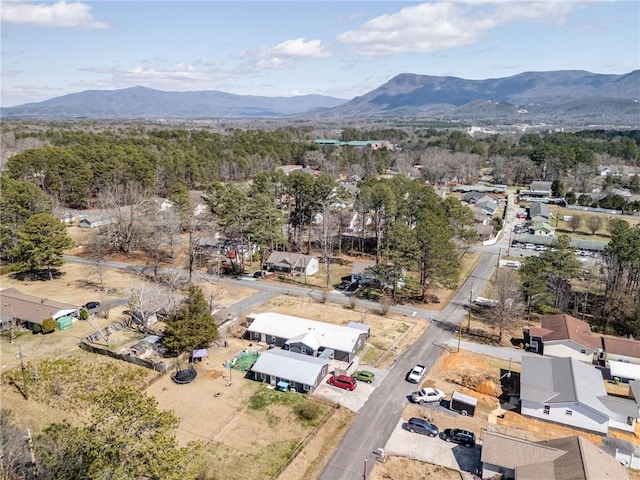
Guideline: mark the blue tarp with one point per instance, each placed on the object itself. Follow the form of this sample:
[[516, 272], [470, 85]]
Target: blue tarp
[[202, 353], [283, 386]]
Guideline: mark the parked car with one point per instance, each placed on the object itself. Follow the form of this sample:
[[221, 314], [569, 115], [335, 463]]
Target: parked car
[[427, 395], [456, 435], [91, 306], [343, 381], [343, 285], [364, 376], [418, 425], [416, 373]]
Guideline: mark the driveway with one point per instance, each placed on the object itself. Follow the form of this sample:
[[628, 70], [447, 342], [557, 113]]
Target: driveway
[[432, 450], [352, 400]]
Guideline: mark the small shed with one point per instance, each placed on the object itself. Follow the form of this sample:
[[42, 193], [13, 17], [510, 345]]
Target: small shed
[[199, 354], [463, 404], [62, 323]]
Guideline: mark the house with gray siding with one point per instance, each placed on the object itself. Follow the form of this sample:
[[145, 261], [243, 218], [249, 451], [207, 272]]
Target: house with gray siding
[[301, 372], [305, 336], [292, 263], [570, 392], [573, 457]]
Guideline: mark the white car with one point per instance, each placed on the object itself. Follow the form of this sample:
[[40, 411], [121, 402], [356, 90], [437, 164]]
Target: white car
[[427, 395]]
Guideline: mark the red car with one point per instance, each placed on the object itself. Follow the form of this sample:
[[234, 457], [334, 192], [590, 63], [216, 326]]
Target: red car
[[342, 381]]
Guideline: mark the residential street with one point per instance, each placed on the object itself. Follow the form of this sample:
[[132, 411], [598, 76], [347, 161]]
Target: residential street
[[381, 413]]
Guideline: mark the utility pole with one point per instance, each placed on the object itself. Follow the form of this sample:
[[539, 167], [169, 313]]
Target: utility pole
[[34, 465], [25, 392], [469, 320], [364, 472]]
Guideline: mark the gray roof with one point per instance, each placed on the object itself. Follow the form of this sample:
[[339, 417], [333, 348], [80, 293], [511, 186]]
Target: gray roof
[[538, 208], [360, 266], [289, 260], [625, 406], [540, 185], [360, 326], [562, 380], [292, 366]]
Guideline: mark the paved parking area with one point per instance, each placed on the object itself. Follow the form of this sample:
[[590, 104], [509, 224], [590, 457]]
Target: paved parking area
[[432, 450], [352, 400]]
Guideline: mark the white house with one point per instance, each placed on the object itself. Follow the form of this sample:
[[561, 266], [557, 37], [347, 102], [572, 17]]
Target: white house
[[570, 392], [298, 371], [306, 336], [293, 263]]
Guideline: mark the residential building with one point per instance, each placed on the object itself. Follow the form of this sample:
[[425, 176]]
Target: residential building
[[570, 392], [298, 371], [306, 336], [292, 263], [574, 458], [562, 335], [20, 309]]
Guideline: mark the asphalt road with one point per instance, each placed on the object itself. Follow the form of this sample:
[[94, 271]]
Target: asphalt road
[[381, 413], [379, 416]]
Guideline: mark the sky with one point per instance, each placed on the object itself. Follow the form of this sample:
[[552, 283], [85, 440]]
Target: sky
[[337, 48]]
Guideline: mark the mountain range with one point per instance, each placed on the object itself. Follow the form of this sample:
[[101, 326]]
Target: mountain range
[[556, 96]]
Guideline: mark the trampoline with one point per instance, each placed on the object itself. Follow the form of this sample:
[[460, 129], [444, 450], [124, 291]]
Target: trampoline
[[185, 376]]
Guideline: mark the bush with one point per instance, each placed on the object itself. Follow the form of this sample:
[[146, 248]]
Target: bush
[[307, 411], [83, 314], [48, 325]]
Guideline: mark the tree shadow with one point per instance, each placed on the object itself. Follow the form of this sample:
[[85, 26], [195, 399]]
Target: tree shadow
[[41, 275]]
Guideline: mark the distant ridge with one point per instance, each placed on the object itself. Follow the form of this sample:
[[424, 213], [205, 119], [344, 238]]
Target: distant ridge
[[142, 102], [565, 96]]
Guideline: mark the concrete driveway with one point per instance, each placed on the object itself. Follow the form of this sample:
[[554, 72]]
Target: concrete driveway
[[432, 450], [352, 400]]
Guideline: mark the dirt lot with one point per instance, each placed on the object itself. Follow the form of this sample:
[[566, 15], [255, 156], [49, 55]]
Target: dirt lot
[[400, 468]]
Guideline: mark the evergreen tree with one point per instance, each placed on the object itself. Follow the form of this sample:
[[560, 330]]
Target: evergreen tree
[[192, 326], [40, 243]]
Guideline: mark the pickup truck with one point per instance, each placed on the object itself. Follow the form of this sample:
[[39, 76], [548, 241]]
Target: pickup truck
[[427, 395], [416, 374]]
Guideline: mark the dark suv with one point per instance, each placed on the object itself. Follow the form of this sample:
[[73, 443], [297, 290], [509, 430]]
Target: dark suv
[[418, 425], [463, 437]]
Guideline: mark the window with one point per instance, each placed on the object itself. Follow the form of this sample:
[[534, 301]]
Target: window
[[306, 388], [547, 410], [582, 350], [303, 349], [629, 421], [273, 339], [568, 412]]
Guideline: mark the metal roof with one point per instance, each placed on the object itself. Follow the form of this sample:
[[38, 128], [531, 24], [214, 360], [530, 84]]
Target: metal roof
[[562, 380], [292, 366], [337, 337], [575, 242]]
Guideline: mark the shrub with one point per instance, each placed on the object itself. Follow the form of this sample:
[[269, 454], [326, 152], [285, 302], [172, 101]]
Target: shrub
[[83, 314], [307, 411], [48, 325]]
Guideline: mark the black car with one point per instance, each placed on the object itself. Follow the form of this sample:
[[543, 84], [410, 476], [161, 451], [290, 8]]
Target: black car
[[418, 425], [91, 306], [456, 435]]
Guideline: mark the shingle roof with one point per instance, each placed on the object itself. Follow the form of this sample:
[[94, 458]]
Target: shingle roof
[[292, 366], [29, 308], [568, 458], [512, 452], [566, 327], [289, 260], [562, 380], [621, 346]]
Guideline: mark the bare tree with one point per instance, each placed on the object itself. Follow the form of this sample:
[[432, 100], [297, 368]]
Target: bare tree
[[127, 206], [145, 301], [507, 291], [594, 223], [574, 222]]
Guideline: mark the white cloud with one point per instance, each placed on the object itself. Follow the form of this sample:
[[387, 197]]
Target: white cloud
[[287, 53], [60, 14], [437, 26]]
